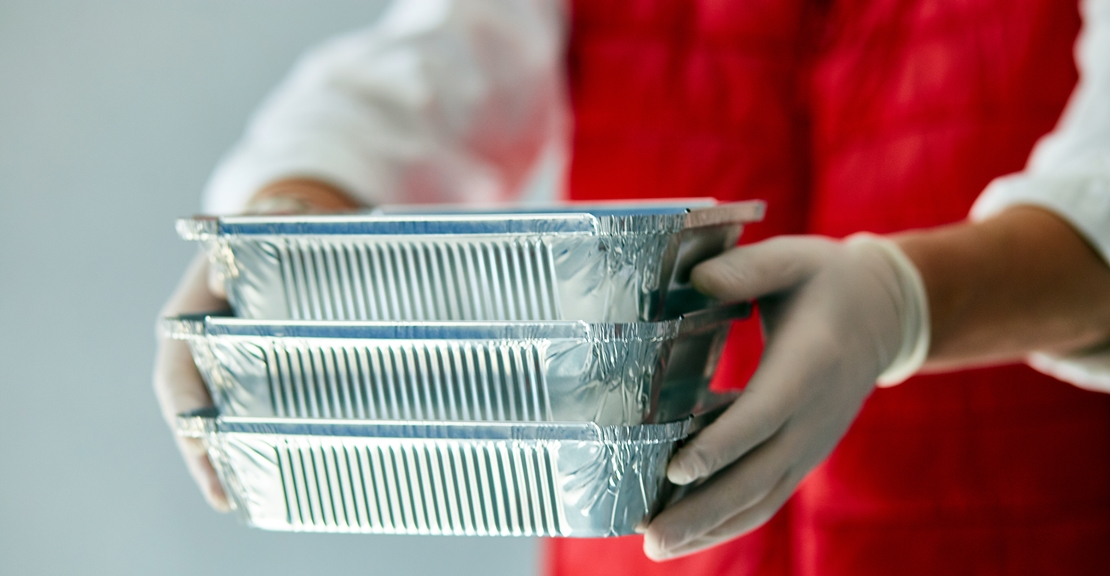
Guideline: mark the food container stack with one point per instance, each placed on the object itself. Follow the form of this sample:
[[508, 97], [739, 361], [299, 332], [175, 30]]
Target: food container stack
[[509, 372]]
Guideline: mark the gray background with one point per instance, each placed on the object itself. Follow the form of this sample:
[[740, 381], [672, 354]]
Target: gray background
[[111, 116]]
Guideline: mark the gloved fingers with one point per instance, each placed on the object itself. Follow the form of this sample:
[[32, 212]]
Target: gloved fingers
[[740, 486], [200, 468], [216, 285], [750, 420], [750, 272], [737, 525], [179, 388], [799, 354], [177, 383]]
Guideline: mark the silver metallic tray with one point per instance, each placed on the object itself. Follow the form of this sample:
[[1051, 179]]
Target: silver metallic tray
[[437, 478], [609, 374], [601, 263]]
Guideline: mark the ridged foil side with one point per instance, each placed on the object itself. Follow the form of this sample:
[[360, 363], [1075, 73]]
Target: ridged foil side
[[525, 372], [602, 485], [606, 278], [497, 279], [437, 381], [618, 267], [528, 381], [420, 488]]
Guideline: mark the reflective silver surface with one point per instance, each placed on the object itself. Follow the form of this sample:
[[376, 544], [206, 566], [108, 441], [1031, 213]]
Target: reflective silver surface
[[609, 374], [605, 263], [436, 478]]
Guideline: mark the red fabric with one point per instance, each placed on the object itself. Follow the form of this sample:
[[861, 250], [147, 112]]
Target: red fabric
[[845, 116]]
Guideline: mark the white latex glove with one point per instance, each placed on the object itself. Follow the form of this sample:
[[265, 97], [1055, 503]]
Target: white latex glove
[[838, 316], [178, 384]]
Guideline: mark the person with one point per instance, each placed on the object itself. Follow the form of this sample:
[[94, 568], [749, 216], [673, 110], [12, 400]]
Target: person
[[887, 117]]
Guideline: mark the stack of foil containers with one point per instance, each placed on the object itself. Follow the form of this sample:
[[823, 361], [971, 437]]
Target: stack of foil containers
[[458, 372]]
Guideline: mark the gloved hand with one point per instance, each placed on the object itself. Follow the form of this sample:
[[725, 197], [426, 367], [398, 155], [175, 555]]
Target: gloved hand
[[177, 383], [838, 316]]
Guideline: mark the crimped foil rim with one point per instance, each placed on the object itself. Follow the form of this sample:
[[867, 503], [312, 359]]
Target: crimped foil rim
[[204, 423], [201, 325], [657, 219]]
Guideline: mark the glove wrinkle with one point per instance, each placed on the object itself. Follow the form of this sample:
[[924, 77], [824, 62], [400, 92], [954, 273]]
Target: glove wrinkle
[[836, 316]]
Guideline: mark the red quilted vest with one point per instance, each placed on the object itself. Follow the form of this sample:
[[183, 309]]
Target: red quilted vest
[[846, 116]]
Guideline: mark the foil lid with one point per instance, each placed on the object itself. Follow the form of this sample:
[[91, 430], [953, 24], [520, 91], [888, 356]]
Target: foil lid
[[610, 219], [206, 422]]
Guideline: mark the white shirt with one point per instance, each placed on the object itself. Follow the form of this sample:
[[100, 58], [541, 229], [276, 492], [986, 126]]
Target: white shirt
[[438, 101], [465, 101]]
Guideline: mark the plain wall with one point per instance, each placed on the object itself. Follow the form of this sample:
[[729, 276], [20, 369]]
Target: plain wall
[[112, 114]]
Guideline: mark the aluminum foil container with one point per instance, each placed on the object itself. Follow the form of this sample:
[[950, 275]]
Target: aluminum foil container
[[576, 479], [605, 263], [608, 374]]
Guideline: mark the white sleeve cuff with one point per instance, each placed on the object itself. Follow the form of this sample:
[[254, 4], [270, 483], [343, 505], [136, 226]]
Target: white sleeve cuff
[[1090, 370]]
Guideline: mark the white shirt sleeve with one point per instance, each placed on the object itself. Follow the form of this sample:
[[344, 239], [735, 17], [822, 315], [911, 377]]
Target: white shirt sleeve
[[438, 101], [1069, 174]]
